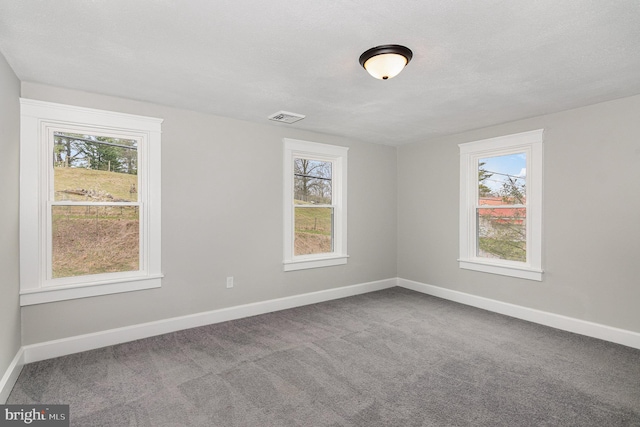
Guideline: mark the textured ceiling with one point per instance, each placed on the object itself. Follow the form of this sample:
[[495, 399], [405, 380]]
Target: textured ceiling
[[475, 64]]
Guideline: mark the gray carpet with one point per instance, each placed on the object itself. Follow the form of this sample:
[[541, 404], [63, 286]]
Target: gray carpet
[[388, 358]]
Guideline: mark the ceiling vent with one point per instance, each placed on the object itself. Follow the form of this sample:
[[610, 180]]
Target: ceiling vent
[[286, 117]]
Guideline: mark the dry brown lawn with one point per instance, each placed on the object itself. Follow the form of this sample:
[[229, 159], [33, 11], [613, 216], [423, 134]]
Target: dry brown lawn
[[83, 246], [310, 243]]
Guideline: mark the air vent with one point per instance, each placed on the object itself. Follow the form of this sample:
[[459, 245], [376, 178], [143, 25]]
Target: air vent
[[286, 117]]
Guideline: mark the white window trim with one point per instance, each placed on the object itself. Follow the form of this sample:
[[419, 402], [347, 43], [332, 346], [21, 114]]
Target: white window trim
[[531, 143], [338, 156], [37, 120]]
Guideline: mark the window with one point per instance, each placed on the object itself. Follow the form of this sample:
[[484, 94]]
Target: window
[[89, 202], [501, 205], [315, 208]]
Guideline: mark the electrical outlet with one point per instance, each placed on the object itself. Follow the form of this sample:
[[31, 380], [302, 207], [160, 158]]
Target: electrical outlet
[[229, 282]]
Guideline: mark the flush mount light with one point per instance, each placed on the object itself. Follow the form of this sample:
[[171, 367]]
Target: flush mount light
[[386, 61]]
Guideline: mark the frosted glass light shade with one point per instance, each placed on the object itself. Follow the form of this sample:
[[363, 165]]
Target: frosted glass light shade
[[385, 62], [385, 66]]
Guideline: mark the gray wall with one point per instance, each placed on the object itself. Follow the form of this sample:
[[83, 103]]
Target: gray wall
[[222, 212], [591, 215], [9, 195], [222, 216]]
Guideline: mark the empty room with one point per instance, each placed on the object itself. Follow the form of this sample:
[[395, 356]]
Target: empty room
[[355, 213]]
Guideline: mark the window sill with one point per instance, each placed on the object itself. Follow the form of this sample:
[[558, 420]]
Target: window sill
[[62, 293], [316, 262], [503, 270]]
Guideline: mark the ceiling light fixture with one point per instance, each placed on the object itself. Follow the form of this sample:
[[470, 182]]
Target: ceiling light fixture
[[386, 61]]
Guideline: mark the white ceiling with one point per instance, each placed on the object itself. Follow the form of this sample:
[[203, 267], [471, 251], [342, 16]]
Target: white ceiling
[[476, 62]]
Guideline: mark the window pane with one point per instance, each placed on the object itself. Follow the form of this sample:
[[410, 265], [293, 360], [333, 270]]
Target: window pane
[[94, 239], [502, 233], [502, 180], [313, 230], [312, 181], [94, 168]]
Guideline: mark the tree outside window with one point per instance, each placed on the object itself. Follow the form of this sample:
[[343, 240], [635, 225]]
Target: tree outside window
[[502, 228], [94, 214], [501, 205]]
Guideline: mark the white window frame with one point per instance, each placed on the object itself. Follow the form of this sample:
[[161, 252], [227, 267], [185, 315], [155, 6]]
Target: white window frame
[[470, 154], [39, 120], [294, 148]]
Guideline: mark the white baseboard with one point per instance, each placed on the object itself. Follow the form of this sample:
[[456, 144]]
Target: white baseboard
[[582, 327], [11, 376], [65, 346], [62, 347]]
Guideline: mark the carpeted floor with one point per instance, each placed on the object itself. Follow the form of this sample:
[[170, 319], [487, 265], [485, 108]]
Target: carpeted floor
[[388, 358]]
